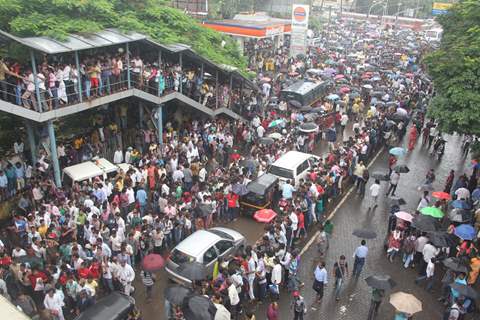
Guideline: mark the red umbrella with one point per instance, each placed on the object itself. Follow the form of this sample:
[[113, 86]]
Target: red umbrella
[[339, 76], [404, 216], [153, 262], [344, 90], [235, 156], [264, 215], [441, 195]]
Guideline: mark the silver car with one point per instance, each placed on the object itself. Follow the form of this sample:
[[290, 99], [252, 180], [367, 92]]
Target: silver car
[[205, 247]]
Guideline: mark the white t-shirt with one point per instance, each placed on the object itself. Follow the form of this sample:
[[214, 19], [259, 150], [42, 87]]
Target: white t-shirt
[[374, 190]]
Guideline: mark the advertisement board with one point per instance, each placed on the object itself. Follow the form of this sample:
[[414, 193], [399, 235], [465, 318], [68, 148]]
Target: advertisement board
[[298, 39], [440, 8]]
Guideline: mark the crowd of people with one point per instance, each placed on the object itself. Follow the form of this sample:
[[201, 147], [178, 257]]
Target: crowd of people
[[66, 247]]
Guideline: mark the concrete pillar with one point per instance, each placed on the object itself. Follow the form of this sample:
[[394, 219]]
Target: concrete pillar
[[159, 68], [79, 80], [53, 153], [160, 124], [216, 89], [140, 115], [31, 142], [37, 89], [181, 73], [129, 84]]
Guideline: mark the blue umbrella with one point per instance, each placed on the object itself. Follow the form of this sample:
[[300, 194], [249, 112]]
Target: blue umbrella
[[333, 97], [476, 194], [459, 204], [397, 151], [465, 232]]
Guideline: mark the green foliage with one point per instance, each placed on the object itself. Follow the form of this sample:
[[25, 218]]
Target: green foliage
[[455, 69], [58, 18]]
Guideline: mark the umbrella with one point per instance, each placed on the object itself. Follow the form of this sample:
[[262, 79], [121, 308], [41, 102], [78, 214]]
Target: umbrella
[[295, 103], [306, 109], [364, 234], [275, 123], [441, 239], [339, 76], [275, 135], [425, 223], [176, 294], [441, 195], [401, 168], [308, 127], [264, 215], [382, 282], [344, 90], [317, 110], [397, 201], [404, 216], [311, 117], [460, 215], [153, 262], [203, 210], [405, 302], [333, 96], [397, 151], [199, 308], [476, 194], [463, 290], [248, 163], [455, 264], [193, 271], [380, 176], [240, 189], [367, 86], [432, 211], [465, 232], [266, 141], [459, 204]]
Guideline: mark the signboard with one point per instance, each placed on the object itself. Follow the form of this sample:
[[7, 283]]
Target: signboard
[[272, 31], [440, 8], [298, 39]]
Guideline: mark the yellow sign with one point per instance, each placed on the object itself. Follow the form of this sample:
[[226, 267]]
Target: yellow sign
[[442, 6]]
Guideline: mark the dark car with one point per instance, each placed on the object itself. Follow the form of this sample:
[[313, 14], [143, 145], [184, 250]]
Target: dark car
[[115, 306]]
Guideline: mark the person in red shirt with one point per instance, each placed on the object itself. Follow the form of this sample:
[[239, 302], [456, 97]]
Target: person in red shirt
[[232, 205], [392, 160], [302, 232]]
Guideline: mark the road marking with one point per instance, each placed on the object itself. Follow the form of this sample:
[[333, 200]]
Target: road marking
[[332, 214]]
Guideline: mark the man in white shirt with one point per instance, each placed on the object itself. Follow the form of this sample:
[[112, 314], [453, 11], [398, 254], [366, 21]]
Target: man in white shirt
[[126, 275], [374, 192], [277, 274], [118, 156], [234, 298], [260, 131]]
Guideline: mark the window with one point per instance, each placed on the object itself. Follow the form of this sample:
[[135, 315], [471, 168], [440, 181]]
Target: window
[[209, 255], [179, 257], [281, 172], [304, 166], [223, 245]]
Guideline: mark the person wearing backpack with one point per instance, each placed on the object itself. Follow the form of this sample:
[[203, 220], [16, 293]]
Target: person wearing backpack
[[298, 305], [452, 313]]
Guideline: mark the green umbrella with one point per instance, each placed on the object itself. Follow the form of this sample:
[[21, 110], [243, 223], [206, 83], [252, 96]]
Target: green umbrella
[[432, 211], [275, 123]]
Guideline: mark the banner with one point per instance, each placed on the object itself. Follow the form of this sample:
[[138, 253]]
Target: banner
[[298, 39], [440, 8]]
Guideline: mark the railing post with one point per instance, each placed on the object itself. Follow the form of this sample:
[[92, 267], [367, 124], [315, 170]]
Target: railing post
[[35, 79], [160, 124], [140, 115], [216, 89], [158, 71], [181, 72], [230, 91], [79, 77], [53, 153], [129, 85]]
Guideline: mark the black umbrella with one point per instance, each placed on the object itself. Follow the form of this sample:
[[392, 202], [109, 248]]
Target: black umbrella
[[464, 290], [397, 201], [460, 215], [266, 141], [177, 294], [295, 104], [202, 210], [306, 109], [380, 176], [193, 271], [198, 308], [383, 282], [240, 189], [441, 239], [425, 223], [401, 168], [248, 163], [456, 265], [308, 127], [364, 234], [317, 110], [377, 94]]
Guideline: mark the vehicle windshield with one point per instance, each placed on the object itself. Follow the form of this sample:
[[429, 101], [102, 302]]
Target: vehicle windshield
[[180, 257], [221, 234], [281, 172]]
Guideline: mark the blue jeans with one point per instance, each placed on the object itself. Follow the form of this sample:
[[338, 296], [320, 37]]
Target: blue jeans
[[231, 214], [407, 258], [358, 266], [18, 95], [87, 85], [338, 287]]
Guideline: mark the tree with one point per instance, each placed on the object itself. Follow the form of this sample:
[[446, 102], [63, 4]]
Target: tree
[[455, 69], [58, 18]]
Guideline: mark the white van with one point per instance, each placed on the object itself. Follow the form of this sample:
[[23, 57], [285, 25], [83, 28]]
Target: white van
[[88, 170], [293, 166]]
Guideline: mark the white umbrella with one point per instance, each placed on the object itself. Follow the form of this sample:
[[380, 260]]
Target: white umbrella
[[405, 302], [402, 112], [275, 135], [367, 86]]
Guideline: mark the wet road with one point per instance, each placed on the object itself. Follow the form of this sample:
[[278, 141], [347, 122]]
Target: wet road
[[348, 215]]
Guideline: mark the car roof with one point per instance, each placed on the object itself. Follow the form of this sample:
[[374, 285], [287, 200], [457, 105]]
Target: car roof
[[291, 159], [198, 242], [262, 183], [113, 306]]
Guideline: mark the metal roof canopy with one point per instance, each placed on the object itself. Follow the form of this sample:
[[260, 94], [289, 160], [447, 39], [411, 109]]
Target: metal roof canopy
[[75, 42]]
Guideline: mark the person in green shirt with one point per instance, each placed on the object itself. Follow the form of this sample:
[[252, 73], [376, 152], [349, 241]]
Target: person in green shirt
[[80, 221]]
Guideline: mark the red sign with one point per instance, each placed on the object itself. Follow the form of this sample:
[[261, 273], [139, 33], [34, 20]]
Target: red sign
[[300, 14]]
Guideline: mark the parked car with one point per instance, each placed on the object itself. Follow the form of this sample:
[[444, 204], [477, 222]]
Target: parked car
[[205, 247], [293, 166], [115, 306]]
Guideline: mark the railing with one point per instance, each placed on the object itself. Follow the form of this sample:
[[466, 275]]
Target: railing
[[67, 93]]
